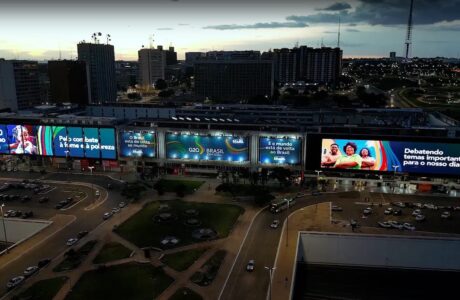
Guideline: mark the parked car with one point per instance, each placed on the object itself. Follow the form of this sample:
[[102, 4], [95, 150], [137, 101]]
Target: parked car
[[44, 262], [10, 213], [275, 224], [97, 193], [25, 199], [250, 266], [14, 282], [416, 212], [408, 226], [43, 199], [388, 211], [115, 210], [107, 215], [71, 241], [384, 224], [30, 271], [396, 224], [418, 205], [336, 208], [420, 218], [121, 204], [400, 204], [445, 215], [397, 212], [27, 214], [81, 234], [457, 208], [367, 211]]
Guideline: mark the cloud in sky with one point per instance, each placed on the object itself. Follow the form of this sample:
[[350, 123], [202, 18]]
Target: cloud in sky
[[336, 6], [268, 25], [165, 28]]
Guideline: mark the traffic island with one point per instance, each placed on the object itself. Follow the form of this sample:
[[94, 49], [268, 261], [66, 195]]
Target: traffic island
[[209, 270], [43, 289], [181, 261]]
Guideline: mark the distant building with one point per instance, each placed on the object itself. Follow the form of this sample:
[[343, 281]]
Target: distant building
[[233, 80], [68, 82], [171, 56], [44, 82], [19, 84], [100, 63], [393, 55], [322, 65], [126, 74], [152, 64], [192, 57], [233, 55]]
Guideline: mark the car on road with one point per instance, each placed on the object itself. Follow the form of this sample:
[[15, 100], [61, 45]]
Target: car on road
[[14, 282], [82, 234], [430, 206], [388, 211], [60, 204], [397, 212], [336, 208], [420, 218], [416, 212], [121, 204], [250, 266], [408, 226], [367, 211], [115, 210], [10, 213], [445, 215], [107, 215], [396, 224], [25, 199], [384, 224], [400, 204], [43, 199], [71, 241], [43, 263], [97, 193], [30, 271], [275, 224]]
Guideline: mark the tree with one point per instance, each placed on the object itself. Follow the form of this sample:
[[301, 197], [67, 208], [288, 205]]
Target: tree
[[282, 175], [165, 94], [161, 84]]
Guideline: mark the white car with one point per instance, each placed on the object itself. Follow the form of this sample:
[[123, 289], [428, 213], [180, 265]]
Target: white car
[[400, 204], [336, 208], [14, 282], [445, 215], [416, 212], [384, 224], [30, 271], [420, 218], [121, 204], [457, 208], [367, 211], [71, 241], [115, 210], [388, 211], [408, 226], [395, 224], [275, 224], [250, 266], [97, 193], [107, 215], [418, 205]]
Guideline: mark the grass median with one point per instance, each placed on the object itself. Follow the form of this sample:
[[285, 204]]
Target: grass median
[[43, 289], [111, 252], [181, 261]]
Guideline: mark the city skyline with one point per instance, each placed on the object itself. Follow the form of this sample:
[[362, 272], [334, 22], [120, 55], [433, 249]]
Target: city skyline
[[52, 29]]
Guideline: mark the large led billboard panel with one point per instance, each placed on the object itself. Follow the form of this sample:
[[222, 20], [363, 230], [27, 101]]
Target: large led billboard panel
[[205, 147], [282, 151], [75, 144], [60, 141], [4, 149], [44, 140], [389, 156], [107, 143], [21, 139], [137, 143]]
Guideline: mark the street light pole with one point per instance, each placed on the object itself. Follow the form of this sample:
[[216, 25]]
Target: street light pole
[[287, 223], [4, 227], [395, 167], [270, 272], [92, 189]]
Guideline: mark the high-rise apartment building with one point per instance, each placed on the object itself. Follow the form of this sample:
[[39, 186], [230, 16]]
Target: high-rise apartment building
[[68, 82], [233, 80], [19, 84], [152, 63], [100, 63], [171, 57]]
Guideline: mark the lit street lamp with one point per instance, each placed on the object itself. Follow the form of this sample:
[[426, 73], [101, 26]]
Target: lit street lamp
[[4, 227], [270, 272]]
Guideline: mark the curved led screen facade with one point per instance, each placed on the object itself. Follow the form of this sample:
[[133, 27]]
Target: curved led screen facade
[[279, 151], [389, 156], [206, 147], [137, 143]]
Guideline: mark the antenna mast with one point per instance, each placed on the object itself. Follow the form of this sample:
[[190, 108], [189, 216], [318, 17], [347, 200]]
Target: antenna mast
[[338, 35], [409, 31]]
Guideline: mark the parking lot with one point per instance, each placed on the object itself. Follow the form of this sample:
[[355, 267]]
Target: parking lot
[[431, 207], [42, 199]]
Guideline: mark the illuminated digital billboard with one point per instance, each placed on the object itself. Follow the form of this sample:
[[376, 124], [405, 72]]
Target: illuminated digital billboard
[[137, 143], [206, 147], [281, 151], [58, 141], [389, 156]]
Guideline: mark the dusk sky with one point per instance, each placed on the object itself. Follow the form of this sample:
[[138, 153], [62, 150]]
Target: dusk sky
[[370, 28]]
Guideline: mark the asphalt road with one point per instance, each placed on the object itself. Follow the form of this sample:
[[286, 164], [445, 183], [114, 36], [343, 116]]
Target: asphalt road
[[86, 220]]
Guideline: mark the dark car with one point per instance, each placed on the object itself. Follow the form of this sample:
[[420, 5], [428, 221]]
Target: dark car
[[43, 262], [43, 199], [27, 214], [25, 199], [81, 234]]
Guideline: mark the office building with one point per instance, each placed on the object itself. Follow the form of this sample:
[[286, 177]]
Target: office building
[[100, 63], [171, 56], [68, 82], [152, 64], [192, 57], [19, 84], [233, 55], [393, 55], [323, 65], [233, 80], [126, 74]]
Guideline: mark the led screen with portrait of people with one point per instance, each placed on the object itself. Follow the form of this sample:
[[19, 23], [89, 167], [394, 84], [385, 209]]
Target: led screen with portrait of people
[[389, 156], [21, 139]]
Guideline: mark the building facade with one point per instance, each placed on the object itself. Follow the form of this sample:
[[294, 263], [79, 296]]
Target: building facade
[[100, 63], [152, 64], [68, 82]]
